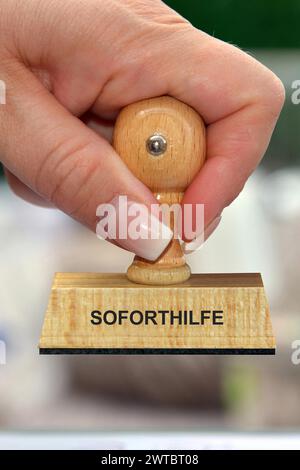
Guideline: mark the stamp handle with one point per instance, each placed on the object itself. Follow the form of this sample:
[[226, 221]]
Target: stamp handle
[[162, 141]]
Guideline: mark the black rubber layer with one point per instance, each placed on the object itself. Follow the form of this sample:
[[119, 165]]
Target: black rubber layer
[[190, 351]]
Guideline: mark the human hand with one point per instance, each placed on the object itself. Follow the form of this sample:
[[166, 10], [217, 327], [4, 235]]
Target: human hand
[[62, 60]]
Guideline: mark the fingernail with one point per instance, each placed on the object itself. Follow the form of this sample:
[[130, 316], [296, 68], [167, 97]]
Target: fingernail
[[132, 225], [195, 244]]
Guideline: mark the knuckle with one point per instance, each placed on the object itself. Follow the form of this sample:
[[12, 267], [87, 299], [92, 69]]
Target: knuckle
[[267, 88], [272, 93], [63, 178], [277, 92]]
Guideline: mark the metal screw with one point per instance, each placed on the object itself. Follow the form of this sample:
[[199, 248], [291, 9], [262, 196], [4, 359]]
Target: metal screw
[[156, 145]]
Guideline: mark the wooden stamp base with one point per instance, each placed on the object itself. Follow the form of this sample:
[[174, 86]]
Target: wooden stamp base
[[208, 314]]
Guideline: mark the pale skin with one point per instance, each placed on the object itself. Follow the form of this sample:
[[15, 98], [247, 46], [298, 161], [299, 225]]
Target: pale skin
[[62, 60]]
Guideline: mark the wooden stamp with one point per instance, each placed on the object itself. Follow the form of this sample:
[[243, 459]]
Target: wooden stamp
[[159, 307]]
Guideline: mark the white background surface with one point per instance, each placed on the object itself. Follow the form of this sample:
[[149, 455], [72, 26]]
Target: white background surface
[[149, 441]]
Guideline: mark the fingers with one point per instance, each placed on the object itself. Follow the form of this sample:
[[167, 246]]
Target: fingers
[[240, 101], [235, 145], [47, 148], [21, 190], [62, 160]]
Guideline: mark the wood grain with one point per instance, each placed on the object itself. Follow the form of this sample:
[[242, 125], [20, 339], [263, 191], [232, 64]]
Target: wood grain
[[167, 175], [247, 325]]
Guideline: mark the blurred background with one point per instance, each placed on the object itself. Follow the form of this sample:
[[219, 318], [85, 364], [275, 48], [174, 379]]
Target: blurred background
[[259, 232]]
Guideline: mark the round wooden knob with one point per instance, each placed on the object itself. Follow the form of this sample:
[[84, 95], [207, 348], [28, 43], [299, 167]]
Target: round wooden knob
[[162, 141]]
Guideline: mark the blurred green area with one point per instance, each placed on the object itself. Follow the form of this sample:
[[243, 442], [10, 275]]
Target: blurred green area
[[248, 24], [240, 387]]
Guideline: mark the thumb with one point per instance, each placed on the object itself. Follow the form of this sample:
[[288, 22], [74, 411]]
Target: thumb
[[66, 163]]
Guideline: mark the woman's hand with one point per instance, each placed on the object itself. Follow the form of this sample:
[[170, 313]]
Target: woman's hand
[[61, 60]]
